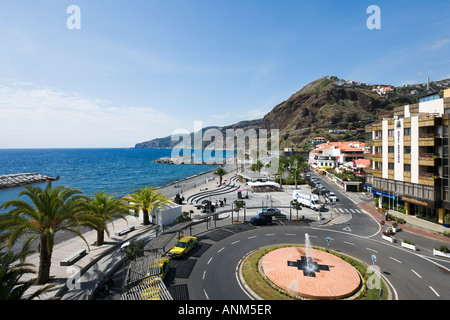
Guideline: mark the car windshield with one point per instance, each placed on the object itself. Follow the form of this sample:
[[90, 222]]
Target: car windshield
[[181, 244]]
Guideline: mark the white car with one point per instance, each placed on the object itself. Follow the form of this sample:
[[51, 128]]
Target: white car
[[332, 197]]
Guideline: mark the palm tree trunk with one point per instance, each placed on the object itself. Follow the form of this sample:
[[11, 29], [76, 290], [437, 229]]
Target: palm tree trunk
[[146, 217], [45, 260], [100, 237]]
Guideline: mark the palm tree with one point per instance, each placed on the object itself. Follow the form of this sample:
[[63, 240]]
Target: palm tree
[[147, 199], [52, 210], [220, 172], [106, 207], [12, 268]]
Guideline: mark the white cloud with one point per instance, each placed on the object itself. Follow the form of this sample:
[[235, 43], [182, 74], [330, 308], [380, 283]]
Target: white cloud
[[439, 44], [43, 117]]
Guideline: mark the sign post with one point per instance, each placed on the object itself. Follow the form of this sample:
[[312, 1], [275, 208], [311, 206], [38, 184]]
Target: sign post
[[328, 242]]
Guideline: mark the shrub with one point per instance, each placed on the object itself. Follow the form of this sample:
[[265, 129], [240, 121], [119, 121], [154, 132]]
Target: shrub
[[444, 249], [409, 242]]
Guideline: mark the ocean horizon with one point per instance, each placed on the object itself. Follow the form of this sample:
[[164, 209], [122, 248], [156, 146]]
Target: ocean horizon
[[115, 170]]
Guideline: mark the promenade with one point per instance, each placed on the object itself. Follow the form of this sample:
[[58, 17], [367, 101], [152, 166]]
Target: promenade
[[76, 281]]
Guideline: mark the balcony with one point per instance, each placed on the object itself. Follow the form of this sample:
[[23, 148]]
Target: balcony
[[428, 140], [377, 157], [377, 172], [429, 120], [428, 179], [429, 159]]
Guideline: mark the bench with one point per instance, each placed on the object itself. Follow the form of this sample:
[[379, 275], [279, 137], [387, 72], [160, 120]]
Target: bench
[[73, 258], [125, 231]]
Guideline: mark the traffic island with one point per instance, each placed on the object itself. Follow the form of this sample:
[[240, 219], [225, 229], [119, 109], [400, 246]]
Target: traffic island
[[283, 272]]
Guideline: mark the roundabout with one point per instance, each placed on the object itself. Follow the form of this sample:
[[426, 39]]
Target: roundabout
[[310, 273]]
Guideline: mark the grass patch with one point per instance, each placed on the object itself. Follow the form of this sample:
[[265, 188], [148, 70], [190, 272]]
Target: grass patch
[[262, 287]]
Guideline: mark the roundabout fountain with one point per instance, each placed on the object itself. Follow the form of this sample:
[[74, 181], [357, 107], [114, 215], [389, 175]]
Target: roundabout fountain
[[310, 273]]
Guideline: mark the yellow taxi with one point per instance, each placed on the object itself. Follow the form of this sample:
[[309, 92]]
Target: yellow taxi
[[183, 246]]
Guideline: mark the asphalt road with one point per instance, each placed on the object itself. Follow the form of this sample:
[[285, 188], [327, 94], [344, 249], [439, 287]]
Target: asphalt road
[[210, 270]]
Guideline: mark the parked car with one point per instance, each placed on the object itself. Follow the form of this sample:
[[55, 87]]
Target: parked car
[[183, 246], [261, 219]]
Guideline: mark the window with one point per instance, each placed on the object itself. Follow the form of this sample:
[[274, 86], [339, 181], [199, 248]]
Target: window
[[407, 149], [390, 149], [391, 166], [407, 131], [390, 132], [407, 167]]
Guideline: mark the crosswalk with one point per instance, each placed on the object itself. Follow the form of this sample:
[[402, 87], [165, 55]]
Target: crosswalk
[[348, 211], [344, 214]]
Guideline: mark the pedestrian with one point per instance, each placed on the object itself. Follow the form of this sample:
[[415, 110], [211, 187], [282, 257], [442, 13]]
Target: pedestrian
[[225, 200]]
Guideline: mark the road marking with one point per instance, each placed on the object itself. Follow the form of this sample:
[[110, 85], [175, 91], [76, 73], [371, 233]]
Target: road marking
[[206, 295], [434, 291], [352, 200], [395, 260], [270, 234], [290, 234], [352, 244], [204, 272], [347, 229], [416, 274], [372, 250], [221, 249], [251, 237], [209, 260], [235, 242]]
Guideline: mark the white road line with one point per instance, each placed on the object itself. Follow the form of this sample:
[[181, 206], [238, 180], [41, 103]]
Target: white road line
[[352, 244], [236, 242], [416, 274], [251, 237], [372, 250], [206, 295], [204, 273], [209, 260], [434, 291], [395, 260], [290, 234], [221, 249], [270, 234]]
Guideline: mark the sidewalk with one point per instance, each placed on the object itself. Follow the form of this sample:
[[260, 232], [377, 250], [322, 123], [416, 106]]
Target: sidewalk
[[413, 224], [89, 268]]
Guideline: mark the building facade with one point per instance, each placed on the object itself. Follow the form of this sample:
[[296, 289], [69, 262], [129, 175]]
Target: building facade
[[409, 157], [334, 154]]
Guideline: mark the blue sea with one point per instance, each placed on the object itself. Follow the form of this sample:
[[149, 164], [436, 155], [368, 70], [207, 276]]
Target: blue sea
[[118, 171]]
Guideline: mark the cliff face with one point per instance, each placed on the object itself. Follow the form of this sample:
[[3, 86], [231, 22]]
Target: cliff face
[[323, 105]]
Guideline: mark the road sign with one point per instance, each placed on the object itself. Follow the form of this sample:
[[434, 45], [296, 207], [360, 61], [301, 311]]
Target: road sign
[[382, 222], [374, 258]]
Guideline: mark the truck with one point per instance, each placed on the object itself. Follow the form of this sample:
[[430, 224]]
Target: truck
[[308, 199]]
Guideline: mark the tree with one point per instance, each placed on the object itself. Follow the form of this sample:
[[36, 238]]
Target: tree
[[296, 205], [220, 172], [12, 268], [51, 210], [106, 207], [238, 204], [147, 199]]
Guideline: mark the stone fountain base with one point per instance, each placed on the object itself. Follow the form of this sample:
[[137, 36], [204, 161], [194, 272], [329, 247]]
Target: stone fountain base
[[325, 276]]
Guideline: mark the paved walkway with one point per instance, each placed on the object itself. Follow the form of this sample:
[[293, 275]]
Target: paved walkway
[[107, 258], [413, 224]]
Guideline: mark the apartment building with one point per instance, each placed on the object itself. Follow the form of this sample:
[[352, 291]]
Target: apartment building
[[409, 157]]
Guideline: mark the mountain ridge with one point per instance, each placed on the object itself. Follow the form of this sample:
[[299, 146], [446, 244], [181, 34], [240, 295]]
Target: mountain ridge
[[327, 102]]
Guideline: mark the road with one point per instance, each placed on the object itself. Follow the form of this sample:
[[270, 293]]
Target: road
[[210, 270]]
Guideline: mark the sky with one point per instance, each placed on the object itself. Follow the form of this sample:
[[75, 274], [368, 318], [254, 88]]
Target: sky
[[136, 70]]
